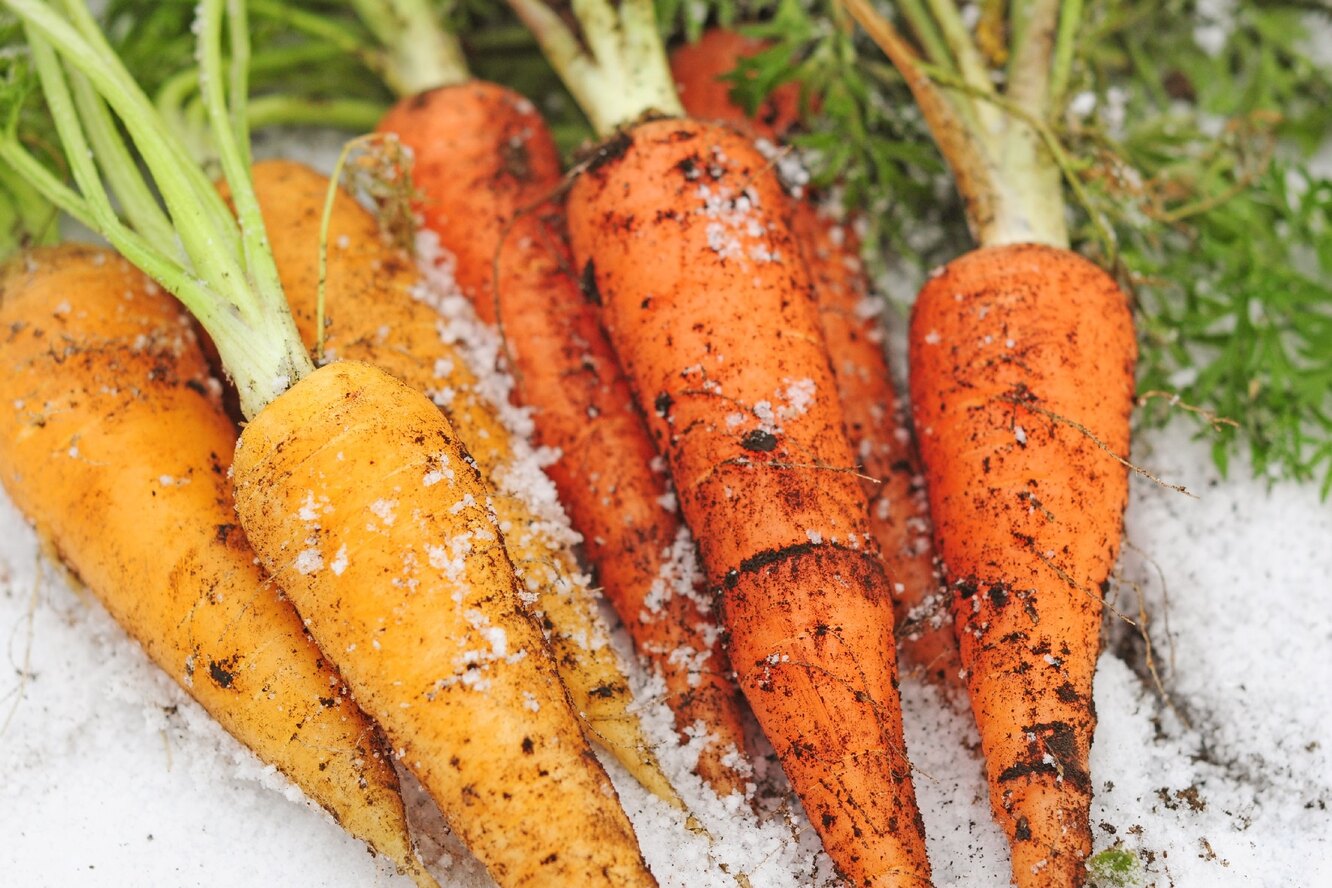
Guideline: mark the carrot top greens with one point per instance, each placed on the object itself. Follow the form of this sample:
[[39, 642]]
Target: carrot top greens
[[217, 264]]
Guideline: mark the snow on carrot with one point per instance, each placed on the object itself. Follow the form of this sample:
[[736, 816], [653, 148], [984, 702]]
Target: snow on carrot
[[680, 225], [446, 658], [876, 422], [118, 450]]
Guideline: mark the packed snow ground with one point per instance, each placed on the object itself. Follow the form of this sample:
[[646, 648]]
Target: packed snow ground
[[113, 777]]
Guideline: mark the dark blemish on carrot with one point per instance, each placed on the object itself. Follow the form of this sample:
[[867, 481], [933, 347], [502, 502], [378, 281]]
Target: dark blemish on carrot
[[528, 746], [663, 404], [1022, 832], [965, 589], [220, 676], [587, 282], [605, 692], [759, 441], [774, 556], [998, 595], [611, 150], [224, 532]]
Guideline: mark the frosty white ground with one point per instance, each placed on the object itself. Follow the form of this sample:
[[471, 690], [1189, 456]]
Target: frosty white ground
[[111, 777]]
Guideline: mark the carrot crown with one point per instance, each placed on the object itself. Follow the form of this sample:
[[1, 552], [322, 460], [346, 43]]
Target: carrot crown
[[614, 64], [997, 144], [218, 265]]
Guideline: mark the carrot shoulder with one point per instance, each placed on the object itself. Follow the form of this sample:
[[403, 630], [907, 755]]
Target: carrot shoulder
[[714, 319], [118, 454], [1028, 498], [487, 168]]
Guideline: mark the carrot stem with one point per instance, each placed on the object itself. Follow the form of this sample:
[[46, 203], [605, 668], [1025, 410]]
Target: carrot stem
[[422, 54], [1070, 16], [970, 66], [615, 66], [220, 273]]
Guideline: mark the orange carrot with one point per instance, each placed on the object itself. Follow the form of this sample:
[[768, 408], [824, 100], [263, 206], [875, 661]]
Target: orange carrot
[[374, 315], [1028, 512], [1022, 357], [487, 168], [115, 448], [681, 226], [875, 420]]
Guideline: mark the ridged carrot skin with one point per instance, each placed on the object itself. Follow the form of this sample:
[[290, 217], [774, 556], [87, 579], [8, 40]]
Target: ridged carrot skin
[[375, 316], [116, 450], [1028, 508], [362, 503], [682, 225], [489, 173]]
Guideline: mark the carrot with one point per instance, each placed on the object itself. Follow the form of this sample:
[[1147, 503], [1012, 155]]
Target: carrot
[[876, 422], [487, 169], [117, 450], [351, 487], [700, 71], [1022, 357], [712, 314], [375, 316]]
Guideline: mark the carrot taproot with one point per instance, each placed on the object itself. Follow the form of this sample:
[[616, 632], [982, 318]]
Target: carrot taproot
[[682, 227], [876, 421], [117, 449], [352, 488], [1021, 375], [376, 314], [1028, 511], [487, 169]]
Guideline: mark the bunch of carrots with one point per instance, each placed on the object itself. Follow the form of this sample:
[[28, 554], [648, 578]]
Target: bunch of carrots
[[372, 570]]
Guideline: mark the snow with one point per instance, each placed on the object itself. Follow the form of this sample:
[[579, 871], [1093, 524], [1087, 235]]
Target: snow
[[113, 777]]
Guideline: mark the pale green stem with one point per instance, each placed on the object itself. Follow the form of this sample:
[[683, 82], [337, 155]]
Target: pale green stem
[[126, 95], [1070, 17], [35, 174], [136, 199], [617, 71], [422, 55], [1029, 175], [971, 66], [927, 32], [239, 70]]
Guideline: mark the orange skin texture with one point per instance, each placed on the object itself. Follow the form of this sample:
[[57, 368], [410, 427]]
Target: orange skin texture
[[372, 317], [1028, 514], [114, 397], [698, 69], [484, 160], [426, 621], [876, 423], [714, 319]]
